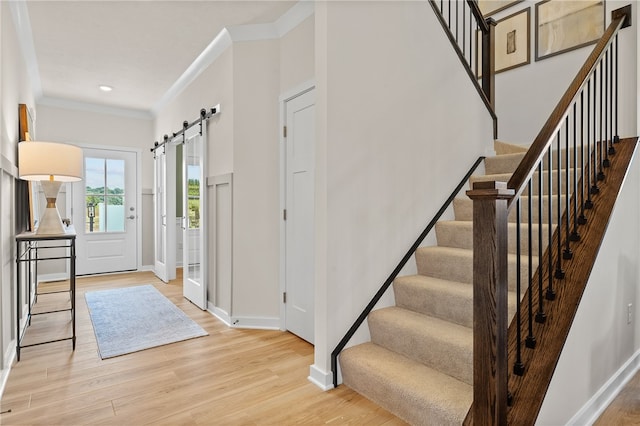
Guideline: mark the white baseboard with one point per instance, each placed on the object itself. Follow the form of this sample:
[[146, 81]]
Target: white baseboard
[[320, 378], [590, 412], [260, 323], [146, 268], [219, 313], [9, 357]]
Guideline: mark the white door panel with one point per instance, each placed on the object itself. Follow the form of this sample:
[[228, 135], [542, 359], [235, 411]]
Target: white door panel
[[194, 222], [105, 212], [164, 217], [300, 206]]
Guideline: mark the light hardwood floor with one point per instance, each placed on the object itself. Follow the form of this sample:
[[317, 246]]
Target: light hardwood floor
[[230, 377]]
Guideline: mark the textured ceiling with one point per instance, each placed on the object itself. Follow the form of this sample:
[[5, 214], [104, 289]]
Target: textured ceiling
[[140, 48]]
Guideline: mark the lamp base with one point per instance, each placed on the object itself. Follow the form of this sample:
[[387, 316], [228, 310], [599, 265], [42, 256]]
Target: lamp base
[[50, 222]]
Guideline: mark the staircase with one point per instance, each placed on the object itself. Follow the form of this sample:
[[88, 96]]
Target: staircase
[[419, 363]]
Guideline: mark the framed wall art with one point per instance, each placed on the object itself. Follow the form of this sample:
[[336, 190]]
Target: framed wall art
[[26, 191], [489, 7], [562, 26], [512, 42]]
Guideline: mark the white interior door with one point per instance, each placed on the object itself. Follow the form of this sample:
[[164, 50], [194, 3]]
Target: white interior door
[[105, 212], [164, 213], [300, 206], [194, 220]]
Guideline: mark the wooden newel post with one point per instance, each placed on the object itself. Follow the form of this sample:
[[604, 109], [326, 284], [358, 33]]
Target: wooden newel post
[[490, 317]]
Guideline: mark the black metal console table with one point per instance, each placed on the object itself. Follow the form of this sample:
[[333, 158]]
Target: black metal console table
[[30, 251]]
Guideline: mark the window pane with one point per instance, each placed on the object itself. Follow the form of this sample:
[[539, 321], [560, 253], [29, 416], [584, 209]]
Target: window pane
[[92, 213], [115, 213], [94, 175], [115, 177]]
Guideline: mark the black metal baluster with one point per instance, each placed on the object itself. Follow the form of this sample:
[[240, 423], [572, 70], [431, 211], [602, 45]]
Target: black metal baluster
[[575, 235], [477, 56], [457, 20], [518, 366], [531, 340], [599, 142], [449, 22], [594, 188], [464, 29], [582, 219], [588, 204], [551, 294], [616, 138], [541, 317], [606, 162], [612, 150], [567, 253], [559, 271], [442, 7]]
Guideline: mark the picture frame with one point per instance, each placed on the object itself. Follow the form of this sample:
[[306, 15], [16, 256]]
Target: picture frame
[[563, 26], [29, 194], [491, 7], [512, 42]]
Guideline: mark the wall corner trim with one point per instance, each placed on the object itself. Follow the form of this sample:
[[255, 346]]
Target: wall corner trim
[[320, 378]]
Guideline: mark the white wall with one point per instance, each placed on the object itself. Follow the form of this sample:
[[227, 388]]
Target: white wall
[[106, 130], [399, 124], [525, 96], [256, 167], [15, 90], [297, 55]]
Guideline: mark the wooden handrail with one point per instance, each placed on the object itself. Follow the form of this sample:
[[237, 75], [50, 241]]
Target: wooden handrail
[[542, 142]]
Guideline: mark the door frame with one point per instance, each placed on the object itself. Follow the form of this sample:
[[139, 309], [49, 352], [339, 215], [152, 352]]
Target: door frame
[[140, 210], [290, 94]]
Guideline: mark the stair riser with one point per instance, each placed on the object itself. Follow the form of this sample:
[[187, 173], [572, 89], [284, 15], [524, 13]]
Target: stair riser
[[440, 301], [463, 209], [449, 234], [451, 357], [535, 181], [460, 268]]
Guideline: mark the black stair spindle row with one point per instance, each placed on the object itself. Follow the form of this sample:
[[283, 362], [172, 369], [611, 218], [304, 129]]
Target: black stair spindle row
[[541, 316], [568, 253], [575, 235], [531, 340], [551, 294], [589, 203], [559, 271], [601, 174], [582, 219], [606, 163], [594, 188], [518, 366]]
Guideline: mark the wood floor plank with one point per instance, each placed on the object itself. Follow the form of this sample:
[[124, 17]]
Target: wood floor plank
[[231, 376]]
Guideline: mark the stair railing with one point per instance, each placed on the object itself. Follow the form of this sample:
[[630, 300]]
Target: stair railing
[[467, 30], [385, 286], [553, 187]]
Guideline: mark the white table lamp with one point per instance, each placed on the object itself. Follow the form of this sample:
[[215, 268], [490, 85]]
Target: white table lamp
[[51, 164]]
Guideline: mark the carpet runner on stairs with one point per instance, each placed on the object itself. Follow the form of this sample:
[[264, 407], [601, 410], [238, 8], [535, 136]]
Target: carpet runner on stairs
[[418, 364]]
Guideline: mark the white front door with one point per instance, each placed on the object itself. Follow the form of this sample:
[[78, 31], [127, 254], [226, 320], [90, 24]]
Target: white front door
[[194, 222], [300, 207], [165, 212], [105, 212]]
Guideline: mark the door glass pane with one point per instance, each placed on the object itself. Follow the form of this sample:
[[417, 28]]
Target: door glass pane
[[194, 195], [104, 195], [160, 206]]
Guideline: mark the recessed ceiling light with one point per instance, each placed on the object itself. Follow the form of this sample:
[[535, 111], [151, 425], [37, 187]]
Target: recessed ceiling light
[[105, 88]]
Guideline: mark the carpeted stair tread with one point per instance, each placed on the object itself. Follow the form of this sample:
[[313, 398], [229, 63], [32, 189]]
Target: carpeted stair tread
[[448, 300], [457, 264], [459, 234], [506, 163], [504, 148], [463, 209], [436, 343], [412, 391]]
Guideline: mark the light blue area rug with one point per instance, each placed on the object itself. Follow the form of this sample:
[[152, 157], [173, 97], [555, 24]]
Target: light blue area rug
[[131, 319]]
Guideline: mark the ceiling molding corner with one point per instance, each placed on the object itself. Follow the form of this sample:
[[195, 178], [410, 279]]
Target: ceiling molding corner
[[97, 108], [294, 16], [208, 56]]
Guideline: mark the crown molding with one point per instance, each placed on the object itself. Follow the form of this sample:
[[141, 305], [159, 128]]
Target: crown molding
[[225, 38], [91, 107]]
